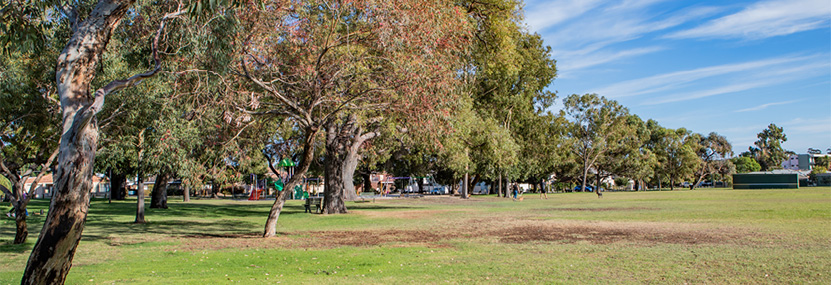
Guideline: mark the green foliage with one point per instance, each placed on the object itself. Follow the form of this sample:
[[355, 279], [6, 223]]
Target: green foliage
[[675, 151], [823, 161], [29, 110], [768, 149], [597, 126], [745, 164], [621, 181], [507, 72]]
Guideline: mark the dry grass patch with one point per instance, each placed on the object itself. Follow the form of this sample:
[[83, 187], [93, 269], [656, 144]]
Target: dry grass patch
[[499, 230]]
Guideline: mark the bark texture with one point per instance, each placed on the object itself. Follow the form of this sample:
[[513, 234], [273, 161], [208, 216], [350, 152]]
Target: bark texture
[[343, 144], [214, 190], [20, 223], [158, 198], [51, 257]]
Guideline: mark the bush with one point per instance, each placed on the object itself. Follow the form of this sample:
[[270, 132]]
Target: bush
[[621, 182]]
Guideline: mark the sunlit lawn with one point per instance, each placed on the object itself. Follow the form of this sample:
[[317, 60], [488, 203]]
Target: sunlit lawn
[[701, 236]]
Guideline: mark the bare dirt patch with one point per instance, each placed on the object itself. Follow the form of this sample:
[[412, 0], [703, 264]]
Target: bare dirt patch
[[403, 214], [601, 235], [601, 209], [490, 230]]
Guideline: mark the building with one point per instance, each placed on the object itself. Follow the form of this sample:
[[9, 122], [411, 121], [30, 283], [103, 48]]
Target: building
[[801, 161], [44, 187]]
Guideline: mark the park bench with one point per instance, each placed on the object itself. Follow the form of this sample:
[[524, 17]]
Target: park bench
[[317, 202]]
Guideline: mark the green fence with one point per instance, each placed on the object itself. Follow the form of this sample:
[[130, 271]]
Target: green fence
[[765, 181]]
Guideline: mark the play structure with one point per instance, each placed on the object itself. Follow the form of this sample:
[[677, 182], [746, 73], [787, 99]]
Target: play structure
[[261, 188]]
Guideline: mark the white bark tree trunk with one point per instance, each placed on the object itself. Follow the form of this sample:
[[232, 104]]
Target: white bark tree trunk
[[52, 255]]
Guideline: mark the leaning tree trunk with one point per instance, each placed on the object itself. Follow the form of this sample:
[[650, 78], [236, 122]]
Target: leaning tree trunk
[[349, 165], [51, 257], [303, 167], [158, 198], [18, 196]]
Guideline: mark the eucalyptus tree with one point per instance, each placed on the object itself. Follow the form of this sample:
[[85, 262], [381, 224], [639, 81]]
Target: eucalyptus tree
[[331, 58], [507, 69], [767, 150], [675, 150], [541, 139], [29, 120], [597, 126], [713, 153], [89, 28], [629, 157], [745, 164]]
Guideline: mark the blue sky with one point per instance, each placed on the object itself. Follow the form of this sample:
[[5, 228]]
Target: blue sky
[[730, 67]]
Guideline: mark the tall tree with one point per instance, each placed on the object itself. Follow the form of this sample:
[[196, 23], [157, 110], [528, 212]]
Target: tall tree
[[768, 149], [676, 153], [597, 124], [507, 71], [629, 157], [335, 57], [29, 119], [713, 151], [76, 68]]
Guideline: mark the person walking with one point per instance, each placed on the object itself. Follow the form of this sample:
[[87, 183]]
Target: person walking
[[543, 193], [515, 191]]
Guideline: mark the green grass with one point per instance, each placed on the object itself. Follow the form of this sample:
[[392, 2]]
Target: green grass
[[700, 236]]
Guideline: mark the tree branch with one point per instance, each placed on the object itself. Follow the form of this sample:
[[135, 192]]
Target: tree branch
[[43, 169], [84, 116]]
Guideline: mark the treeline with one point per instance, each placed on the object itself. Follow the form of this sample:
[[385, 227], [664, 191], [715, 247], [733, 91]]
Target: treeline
[[212, 91]]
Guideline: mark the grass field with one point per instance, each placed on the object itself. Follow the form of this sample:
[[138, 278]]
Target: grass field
[[700, 236]]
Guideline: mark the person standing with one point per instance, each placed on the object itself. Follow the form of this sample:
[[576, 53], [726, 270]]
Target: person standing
[[515, 191], [543, 193]]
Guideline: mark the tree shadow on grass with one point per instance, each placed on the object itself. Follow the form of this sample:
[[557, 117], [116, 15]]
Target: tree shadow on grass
[[7, 246], [367, 206], [109, 232]]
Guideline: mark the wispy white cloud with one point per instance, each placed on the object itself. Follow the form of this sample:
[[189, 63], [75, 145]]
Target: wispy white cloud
[[726, 89], [764, 20], [809, 126], [579, 60], [582, 31], [680, 79], [542, 15], [766, 105]]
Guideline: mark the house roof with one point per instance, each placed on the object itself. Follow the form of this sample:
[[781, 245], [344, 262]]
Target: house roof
[[47, 179]]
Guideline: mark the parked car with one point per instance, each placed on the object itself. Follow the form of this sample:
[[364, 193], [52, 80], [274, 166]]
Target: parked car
[[481, 188], [430, 186], [438, 191], [589, 188]]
